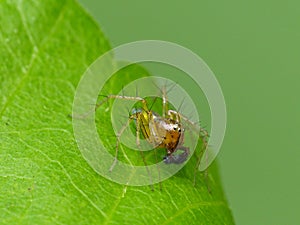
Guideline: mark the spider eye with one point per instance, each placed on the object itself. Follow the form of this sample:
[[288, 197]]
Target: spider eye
[[175, 128], [179, 130]]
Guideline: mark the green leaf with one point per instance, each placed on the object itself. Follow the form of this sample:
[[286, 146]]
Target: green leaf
[[45, 47]]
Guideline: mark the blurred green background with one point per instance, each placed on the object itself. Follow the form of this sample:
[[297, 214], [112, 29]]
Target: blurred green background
[[253, 47]]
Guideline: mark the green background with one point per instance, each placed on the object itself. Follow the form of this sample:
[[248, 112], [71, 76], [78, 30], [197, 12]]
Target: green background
[[253, 48]]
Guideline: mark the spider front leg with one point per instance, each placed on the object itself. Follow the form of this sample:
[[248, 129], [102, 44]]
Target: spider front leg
[[138, 121], [118, 142], [106, 99], [121, 97], [132, 117], [137, 117]]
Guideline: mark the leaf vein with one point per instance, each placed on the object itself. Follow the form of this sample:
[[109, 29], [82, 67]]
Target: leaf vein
[[24, 23], [9, 49], [32, 60], [192, 206], [67, 175]]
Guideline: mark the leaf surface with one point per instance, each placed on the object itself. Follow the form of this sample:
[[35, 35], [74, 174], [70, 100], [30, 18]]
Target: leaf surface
[[45, 47]]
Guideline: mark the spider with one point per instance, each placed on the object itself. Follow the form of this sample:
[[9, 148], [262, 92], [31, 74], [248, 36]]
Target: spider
[[161, 131]]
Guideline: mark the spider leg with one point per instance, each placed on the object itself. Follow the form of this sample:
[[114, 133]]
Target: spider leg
[[121, 131], [108, 97], [158, 170], [203, 136], [139, 147], [164, 92], [165, 102]]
